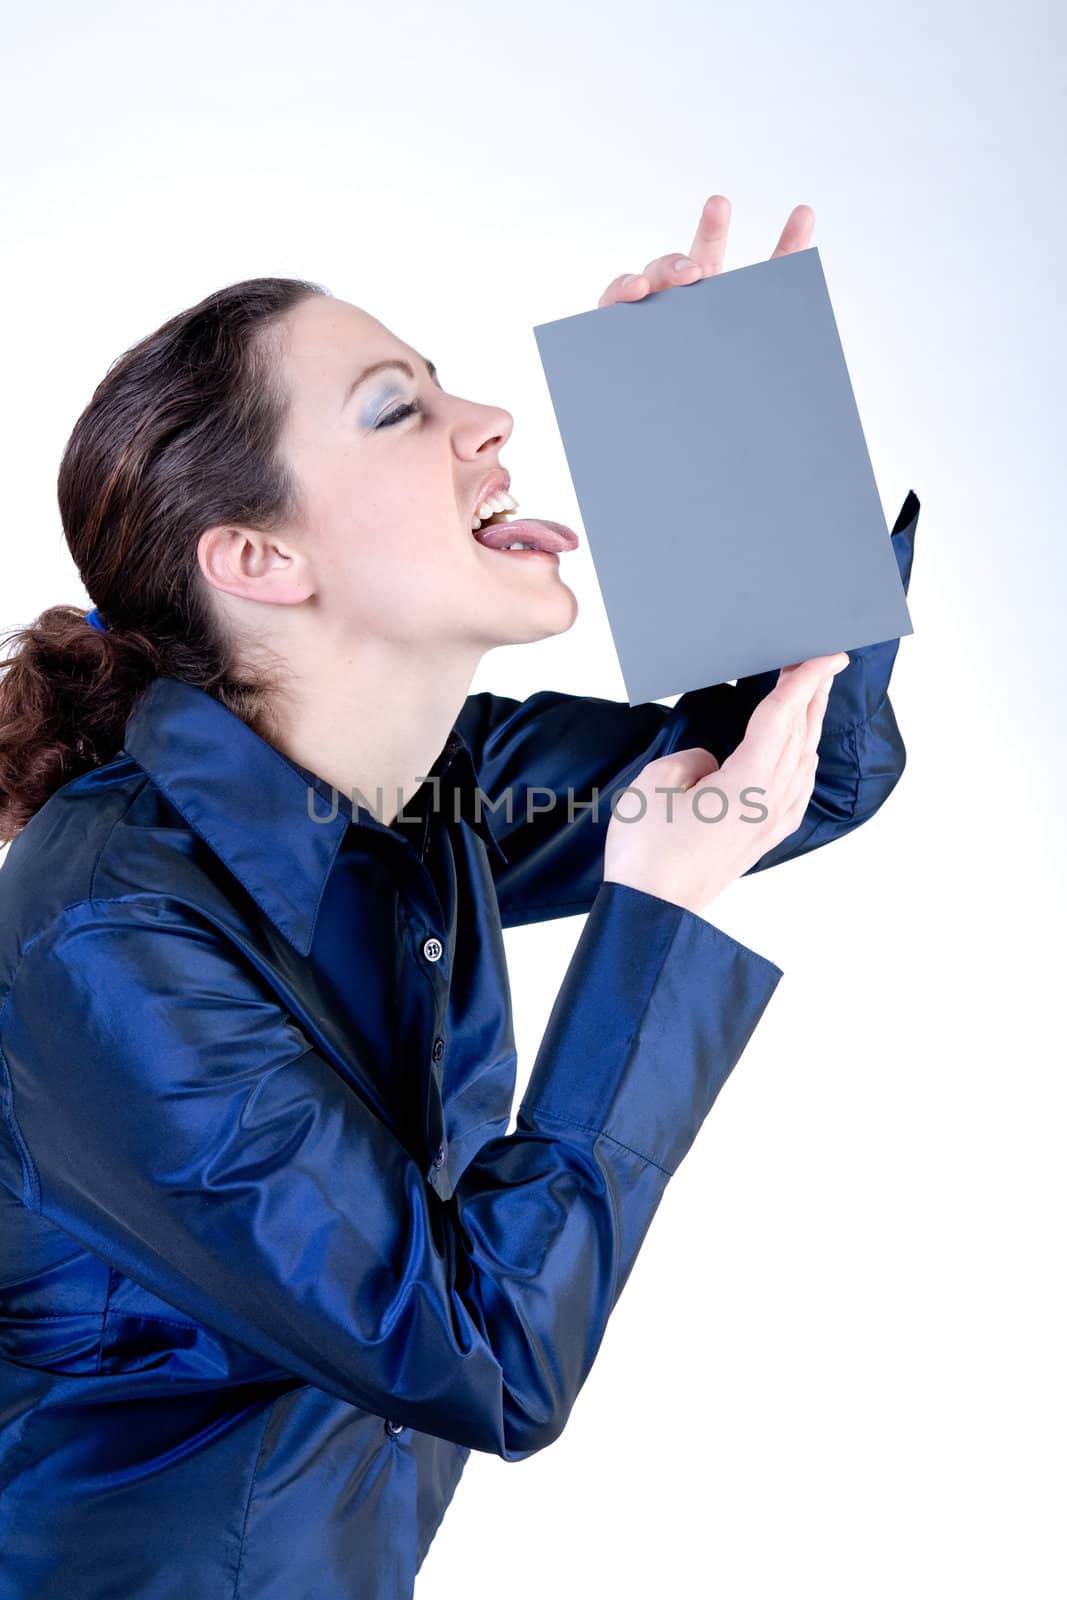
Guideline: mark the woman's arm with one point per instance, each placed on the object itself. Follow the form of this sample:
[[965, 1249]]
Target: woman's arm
[[172, 1118], [542, 750]]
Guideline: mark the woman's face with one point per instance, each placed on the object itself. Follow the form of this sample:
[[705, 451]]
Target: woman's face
[[389, 465]]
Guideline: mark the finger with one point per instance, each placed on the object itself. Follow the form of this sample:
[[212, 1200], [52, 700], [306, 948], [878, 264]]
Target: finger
[[796, 235], [798, 767], [706, 254], [619, 289], [708, 249], [778, 725], [834, 663], [666, 272], [682, 767], [816, 712], [817, 705]]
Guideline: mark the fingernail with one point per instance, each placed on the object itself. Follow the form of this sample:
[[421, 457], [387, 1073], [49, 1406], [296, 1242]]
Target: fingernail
[[684, 265]]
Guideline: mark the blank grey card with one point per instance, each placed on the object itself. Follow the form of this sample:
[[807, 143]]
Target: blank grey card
[[725, 488]]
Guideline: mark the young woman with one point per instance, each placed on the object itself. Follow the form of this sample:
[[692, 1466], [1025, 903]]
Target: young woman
[[271, 1265]]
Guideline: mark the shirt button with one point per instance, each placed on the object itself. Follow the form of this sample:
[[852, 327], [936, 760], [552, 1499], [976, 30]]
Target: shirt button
[[433, 949], [438, 1049], [394, 1427], [439, 1158]]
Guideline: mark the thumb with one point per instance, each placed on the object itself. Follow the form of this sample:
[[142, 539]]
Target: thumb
[[684, 767]]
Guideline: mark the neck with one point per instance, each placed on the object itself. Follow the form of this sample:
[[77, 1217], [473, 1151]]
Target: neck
[[376, 719]]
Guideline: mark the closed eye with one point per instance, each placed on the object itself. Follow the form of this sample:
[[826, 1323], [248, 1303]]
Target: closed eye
[[399, 414]]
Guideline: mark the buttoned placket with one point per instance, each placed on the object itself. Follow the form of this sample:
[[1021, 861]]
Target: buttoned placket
[[433, 951], [417, 885]]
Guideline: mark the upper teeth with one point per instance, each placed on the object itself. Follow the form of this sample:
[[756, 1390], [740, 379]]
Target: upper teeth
[[501, 501]]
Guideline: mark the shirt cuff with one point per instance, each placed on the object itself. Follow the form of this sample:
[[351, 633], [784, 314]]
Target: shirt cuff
[[655, 1010]]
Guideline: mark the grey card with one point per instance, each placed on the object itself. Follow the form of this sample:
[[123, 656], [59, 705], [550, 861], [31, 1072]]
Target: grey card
[[724, 482]]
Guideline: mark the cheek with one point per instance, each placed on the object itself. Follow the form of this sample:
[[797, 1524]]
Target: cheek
[[397, 585], [395, 564]]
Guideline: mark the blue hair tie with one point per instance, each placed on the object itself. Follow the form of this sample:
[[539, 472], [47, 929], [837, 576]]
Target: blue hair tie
[[94, 620]]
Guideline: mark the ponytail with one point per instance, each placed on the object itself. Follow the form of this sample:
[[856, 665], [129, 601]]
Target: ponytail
[[65, 697]]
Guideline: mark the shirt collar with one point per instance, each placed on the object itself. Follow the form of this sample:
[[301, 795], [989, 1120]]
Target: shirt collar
[[453, 781], [250, 803]]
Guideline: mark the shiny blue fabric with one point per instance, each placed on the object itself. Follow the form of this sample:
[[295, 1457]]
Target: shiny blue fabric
[[271, 1264], [95, 620]]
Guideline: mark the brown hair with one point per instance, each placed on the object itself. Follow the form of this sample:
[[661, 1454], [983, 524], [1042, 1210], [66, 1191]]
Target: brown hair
[[180, 434]]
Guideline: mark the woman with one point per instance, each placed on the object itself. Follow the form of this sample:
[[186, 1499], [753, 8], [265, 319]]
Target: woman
[[271, 1264]]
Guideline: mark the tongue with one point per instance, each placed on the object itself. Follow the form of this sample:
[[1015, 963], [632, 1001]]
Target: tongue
[[552, 536]]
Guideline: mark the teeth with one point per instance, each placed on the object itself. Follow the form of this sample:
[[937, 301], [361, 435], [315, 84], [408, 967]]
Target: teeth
[[496, 502], [519, 546]]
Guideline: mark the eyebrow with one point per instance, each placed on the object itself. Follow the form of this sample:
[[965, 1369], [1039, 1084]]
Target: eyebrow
[[392, 361]]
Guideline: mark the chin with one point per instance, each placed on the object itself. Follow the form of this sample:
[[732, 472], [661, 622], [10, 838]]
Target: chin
[[549, 618], [543, 614]]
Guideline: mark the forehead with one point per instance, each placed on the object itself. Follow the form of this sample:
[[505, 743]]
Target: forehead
[[325, 338]]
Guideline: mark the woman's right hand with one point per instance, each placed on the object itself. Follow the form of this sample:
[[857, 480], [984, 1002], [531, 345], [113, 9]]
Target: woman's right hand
[[688, 846]]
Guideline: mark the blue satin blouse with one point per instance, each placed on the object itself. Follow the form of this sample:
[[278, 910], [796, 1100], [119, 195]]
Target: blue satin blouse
[[271, 1266]]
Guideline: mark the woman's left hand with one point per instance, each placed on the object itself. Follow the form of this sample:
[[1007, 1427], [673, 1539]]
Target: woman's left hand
[[705, 254]]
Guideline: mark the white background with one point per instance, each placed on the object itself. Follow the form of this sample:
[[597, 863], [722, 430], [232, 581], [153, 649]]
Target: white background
[[838, 1366]]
